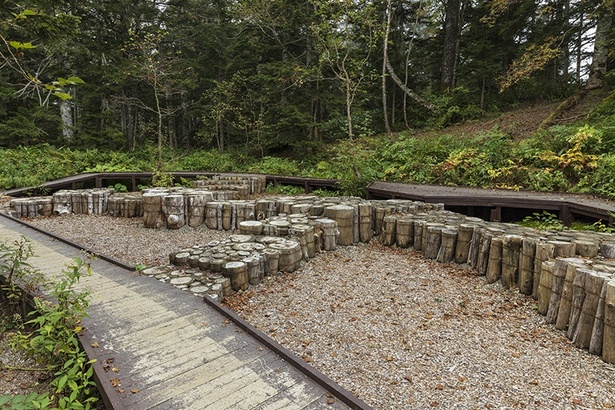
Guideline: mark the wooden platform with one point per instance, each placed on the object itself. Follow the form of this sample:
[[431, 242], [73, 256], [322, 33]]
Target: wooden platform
[[170, 349], [568, 206], [132, 180]]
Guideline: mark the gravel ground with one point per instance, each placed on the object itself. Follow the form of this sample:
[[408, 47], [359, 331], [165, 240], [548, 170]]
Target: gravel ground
[[397, 330]]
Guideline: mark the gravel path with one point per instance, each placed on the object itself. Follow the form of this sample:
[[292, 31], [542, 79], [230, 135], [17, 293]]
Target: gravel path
[[397, 330]]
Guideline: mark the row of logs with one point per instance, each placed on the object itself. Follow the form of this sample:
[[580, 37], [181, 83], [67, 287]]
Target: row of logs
[[64, 202], [245, 184], [569, 273]]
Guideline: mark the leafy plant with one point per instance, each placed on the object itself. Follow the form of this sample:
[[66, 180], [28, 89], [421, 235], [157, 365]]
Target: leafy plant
[[284, 189], [543, 221], [20, 278], [54, 342]]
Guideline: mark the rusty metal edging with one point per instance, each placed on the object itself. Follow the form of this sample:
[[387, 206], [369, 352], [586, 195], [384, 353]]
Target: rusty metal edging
[[332, 387]]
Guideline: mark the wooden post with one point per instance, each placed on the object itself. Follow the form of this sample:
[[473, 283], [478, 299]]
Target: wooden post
[[526, 271], [544, 252], [608, 342], [494, 265], [583, 333], [511, 250], [238, 273], [595, 345], [545, 286], [388, 232], [464, 237], [446, 253]]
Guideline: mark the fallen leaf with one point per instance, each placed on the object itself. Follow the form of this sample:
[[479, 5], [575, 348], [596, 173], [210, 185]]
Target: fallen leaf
[[434, 403], [115, 370], [439, 386], [120, 391], [576, 402], [410, 400], [389, 359], [133, 390], [115, 382], [260, 349], [330, 400], [95, 345], [334, 354]]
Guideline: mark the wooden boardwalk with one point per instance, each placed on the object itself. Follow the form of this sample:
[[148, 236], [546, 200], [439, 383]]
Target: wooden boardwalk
[[168, 349], [567, 205]]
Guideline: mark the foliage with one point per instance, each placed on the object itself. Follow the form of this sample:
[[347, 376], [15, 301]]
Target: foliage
[[285, 189], [54, 341], [19, 278], [276, 166], [543, 221]]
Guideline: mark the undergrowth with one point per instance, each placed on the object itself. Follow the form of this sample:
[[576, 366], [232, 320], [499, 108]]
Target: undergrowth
[[51, 334]]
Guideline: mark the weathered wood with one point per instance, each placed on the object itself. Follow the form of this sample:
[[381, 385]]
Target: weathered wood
[[251, 227], [595, 344], [419, 226], [388, 231], [483, 253], [559, 275], [475, 246], [565, 305], [578, 297], [272, 260], [152, 210], [327, 230], [366, 222], [494, 264], [582, 335], [464, 237], [544, 252], [195, 204], [344, 216], [405, 232], [238, 273], [563, 249], [433, 241], [608, 341], [511, 250], [446, 253], [174, 211], [607, 249], [379, 213], [526, 269], [545, 286], [586, 249]]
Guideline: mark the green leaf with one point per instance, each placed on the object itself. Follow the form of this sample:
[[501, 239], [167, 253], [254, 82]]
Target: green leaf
[[75, 80], [62, 96], [21, 46]]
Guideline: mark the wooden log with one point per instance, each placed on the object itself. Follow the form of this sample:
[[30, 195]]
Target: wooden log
[[586, 249], [494, 264], [475, 246], [344, 216], [446, 253], [388, 231], [433, 241], [181, 259], [152, 210], [595, 344], [213, 215], [578, 297], [511, 251], [545, 286], [608, 341], [280, 226], [565, 305], [62, 204], [328, 233], [544, 252], [563, 249], [366, 222], [272, 260], [300, 231], [238, 273], [582, 335], [227, 216], [379, 213], [419, 225], [174, 208], [557, 286], [464, 237], [255, 269], [290, 255], [404, 232], [526, 268], [196, 203], [607, 249], [251, 228], [483, 253]]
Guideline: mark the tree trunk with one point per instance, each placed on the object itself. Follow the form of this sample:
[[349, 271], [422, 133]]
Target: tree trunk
[[451, 37], [598, 68], [408, 91], [66, 113], [385, 57]]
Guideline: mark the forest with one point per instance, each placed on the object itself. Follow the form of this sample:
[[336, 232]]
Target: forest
[[196, 83]]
